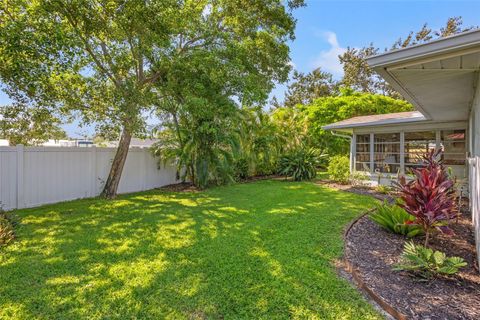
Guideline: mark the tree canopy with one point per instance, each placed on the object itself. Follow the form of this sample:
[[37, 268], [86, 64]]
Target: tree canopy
[[348, 104], [112, 62]]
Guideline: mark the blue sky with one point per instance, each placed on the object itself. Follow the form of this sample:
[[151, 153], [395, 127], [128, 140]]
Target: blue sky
[[325, 28]]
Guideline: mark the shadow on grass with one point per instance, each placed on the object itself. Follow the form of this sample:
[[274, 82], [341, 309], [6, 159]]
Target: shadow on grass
[[260, 250]]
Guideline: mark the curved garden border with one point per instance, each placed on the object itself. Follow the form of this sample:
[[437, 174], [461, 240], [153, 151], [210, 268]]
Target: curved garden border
[[370, 252], [357, 279]]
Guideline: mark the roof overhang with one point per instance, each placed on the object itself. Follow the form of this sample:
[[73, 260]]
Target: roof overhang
[[438, 78], [374, 121]]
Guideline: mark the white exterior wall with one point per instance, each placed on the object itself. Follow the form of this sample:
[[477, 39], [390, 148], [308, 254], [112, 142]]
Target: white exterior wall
[[474, 164], [32, 176]]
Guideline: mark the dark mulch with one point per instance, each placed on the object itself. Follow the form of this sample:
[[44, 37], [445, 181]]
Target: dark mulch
[[180, 187], [360, 189], [189, 187], [373, 252]]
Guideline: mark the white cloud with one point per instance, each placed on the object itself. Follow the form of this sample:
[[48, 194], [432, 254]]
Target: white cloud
[[328, 59]]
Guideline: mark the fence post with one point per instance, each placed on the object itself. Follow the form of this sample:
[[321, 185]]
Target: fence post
[[145, 169], [20, 176], [93, 171]]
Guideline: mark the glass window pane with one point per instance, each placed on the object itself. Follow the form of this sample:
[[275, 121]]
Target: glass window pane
[[362, 155], [363, 138], [386, 137], [387, 152], [454, 147], [362, 166], [417, 144]]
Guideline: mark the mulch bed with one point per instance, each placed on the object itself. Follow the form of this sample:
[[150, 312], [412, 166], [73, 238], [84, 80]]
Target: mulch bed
[[363, 190], [189, 187], [372, 252]]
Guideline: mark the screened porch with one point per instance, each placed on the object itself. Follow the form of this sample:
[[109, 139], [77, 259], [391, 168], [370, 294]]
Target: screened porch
[[393, 153]]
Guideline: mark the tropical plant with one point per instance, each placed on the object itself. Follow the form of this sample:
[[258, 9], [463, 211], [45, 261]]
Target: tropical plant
[[203, 146], [427, 263], [261, 142], [430, 196], [300, 164], [339, 169], [395, 219], [241, 169]]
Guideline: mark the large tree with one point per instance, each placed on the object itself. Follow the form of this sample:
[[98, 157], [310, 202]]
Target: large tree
[[359, 76], [112, 61], [348, 104], [306, 87]]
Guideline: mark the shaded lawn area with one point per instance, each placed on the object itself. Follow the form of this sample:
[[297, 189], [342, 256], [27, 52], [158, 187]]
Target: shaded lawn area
[[256, 250]]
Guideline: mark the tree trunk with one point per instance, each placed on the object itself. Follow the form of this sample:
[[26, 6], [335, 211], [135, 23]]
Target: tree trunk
[[111, 185]]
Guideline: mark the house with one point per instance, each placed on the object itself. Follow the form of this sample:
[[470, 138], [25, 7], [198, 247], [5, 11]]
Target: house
[[441, 80]]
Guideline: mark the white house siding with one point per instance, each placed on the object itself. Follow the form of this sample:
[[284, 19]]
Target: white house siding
[[474, 164], [32, 176]]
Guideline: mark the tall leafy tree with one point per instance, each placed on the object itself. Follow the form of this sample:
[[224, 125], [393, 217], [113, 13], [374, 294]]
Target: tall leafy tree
[[305, 87], [348, 104], [359, 76], [112, 61]]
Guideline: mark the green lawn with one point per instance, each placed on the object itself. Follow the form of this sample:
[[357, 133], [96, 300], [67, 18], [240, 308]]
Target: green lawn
[[258, 250]]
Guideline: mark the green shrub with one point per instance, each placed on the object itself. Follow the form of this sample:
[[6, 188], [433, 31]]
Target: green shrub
[[426, 263], [395, 219], [300, 164], [7, 231], [265, 168], [383, 189], [339, 169], [241, 169]]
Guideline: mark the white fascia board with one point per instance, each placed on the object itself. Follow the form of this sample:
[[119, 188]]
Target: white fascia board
[[373, 123], [460, 41]]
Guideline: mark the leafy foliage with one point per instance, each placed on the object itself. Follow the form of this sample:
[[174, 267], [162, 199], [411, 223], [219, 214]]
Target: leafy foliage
[[113, 62], [427, 263], [300, 164], [7, 228], [383, 189], [339, 169], [241, 169], [395, 219], [348, 104], [430, 196], [29, 126], [305, 88]]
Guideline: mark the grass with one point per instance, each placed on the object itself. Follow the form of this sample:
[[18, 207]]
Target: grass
[[262, 250]]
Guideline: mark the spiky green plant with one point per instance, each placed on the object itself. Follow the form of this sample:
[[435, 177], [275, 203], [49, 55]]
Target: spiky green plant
[[426, 263], [301, 164], [395, 219]]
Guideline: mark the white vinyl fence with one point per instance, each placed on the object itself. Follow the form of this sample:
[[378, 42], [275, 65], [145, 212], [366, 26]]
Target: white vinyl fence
[[474, 180], [32, 176]]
